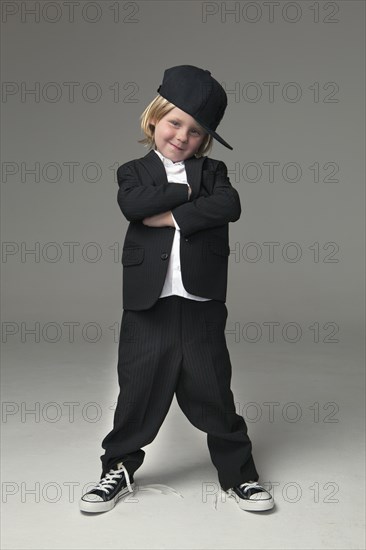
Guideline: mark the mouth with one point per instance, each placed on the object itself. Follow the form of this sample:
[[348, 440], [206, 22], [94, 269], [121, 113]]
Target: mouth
[[176, 147]]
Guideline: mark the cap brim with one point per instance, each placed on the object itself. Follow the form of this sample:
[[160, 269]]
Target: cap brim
[[215, 135]]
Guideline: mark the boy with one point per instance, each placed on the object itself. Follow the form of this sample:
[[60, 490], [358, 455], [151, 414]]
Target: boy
[[175, 260]]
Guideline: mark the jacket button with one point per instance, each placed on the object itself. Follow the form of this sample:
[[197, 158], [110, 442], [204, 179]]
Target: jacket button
[[186, 239], [164, 256]]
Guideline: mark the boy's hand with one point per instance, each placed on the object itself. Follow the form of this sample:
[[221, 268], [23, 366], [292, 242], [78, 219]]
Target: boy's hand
[[159, 220]]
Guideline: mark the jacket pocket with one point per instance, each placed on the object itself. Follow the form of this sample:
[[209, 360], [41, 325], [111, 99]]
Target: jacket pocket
[[132, 255]]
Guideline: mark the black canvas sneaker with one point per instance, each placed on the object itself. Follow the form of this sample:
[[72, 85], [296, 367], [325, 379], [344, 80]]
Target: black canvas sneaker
[[105, 495], [251, 496]]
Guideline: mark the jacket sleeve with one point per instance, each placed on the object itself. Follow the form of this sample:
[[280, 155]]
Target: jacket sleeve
[[138, 201], [221, 207]]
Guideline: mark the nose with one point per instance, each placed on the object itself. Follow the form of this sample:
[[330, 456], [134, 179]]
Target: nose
[[182, 135]]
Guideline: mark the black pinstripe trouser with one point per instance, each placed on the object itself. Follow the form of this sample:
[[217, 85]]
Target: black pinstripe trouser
[[178, 346]]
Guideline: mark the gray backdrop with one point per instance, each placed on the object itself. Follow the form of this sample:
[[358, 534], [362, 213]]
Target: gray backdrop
[[75, 79]]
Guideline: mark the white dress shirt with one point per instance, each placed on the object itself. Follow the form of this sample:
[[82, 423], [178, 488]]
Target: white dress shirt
[[173, 284]]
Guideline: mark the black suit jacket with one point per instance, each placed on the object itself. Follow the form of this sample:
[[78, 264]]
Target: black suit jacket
[[203, 220]]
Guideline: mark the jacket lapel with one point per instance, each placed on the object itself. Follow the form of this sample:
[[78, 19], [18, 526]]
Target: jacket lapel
[[156, 169]]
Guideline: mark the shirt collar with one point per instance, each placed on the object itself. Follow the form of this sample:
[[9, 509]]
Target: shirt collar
[[168, 162]]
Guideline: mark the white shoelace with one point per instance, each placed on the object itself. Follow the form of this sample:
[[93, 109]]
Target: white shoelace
[[251, 485], [111, 478]]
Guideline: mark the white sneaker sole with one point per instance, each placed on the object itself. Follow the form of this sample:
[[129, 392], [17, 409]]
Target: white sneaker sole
[[97, 506], [254, 505]]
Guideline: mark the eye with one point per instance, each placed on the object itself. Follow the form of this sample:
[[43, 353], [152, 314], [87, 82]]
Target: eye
[[174, 122]]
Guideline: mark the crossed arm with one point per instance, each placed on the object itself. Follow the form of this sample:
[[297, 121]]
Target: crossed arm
[[165, 218], [154, 205]]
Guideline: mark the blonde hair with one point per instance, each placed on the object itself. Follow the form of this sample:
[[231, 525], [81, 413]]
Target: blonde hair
[[157, 109]]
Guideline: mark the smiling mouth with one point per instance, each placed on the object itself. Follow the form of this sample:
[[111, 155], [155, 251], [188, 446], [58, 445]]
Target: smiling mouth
[[179, 149]]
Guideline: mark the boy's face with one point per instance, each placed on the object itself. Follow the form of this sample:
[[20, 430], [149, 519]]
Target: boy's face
[[177, 135]]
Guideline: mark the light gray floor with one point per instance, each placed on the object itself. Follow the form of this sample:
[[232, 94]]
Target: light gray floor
[[316, 464]]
